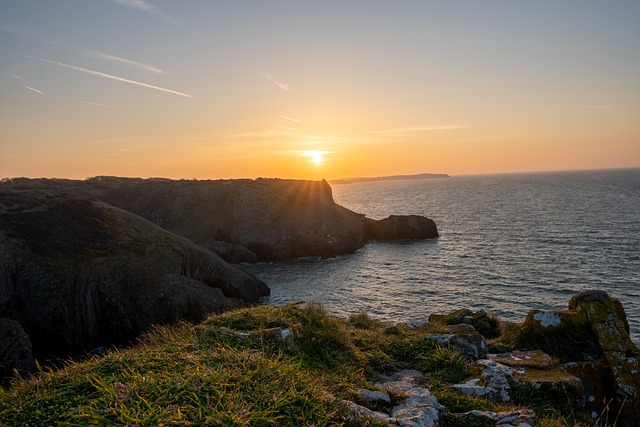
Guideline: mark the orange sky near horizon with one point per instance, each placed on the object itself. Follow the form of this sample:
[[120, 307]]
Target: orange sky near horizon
[[248, 89]]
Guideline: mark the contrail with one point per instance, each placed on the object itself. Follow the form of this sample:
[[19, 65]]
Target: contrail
[[33, 89], [107, 76], [276, 82], [100, 105]]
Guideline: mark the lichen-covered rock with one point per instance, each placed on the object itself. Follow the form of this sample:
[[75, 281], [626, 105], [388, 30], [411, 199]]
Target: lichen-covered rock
[[15, 350], [419, 408], [608, 321], [527, 359], [594, 328], [493, 383], [462, 338], [486, 325]]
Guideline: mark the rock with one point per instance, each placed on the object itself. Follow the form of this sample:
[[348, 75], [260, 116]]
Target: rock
[[466, 340], [527, 359], [375, 398], [493, 383], [594, 328], [398, 227], [519, 418], [15, 350], [486, 325], [79, 274], [360, 413], [420, 407], [271, 218], [608, 321]]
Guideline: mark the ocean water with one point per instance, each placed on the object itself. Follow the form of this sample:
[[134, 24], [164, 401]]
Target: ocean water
[[508, 244]]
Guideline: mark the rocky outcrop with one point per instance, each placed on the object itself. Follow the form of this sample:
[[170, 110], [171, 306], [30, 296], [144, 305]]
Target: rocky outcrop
[[595, 333], [78, 274], [272, 218], [399, 227]]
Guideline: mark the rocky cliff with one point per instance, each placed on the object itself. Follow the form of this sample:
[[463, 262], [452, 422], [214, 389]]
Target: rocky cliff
[[77, 274], [272, 218]]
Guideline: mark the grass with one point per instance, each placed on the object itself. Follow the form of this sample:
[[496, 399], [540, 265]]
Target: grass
[[185, 375]]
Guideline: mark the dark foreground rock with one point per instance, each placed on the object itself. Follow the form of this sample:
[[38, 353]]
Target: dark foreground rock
[[272, 218], [78, 274]]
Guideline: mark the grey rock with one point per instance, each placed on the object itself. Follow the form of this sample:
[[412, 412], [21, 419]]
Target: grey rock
[[466, 341]]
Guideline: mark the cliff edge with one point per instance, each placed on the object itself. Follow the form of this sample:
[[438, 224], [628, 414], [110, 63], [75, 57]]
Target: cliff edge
[[274, 219]]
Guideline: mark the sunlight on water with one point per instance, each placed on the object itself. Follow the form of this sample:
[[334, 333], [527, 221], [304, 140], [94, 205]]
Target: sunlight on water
[[508, 244]]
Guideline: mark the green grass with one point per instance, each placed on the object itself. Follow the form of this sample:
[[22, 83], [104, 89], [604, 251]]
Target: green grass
[[185, 375]]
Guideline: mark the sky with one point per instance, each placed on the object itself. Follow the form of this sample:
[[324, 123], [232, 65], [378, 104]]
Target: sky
[[317, 89]]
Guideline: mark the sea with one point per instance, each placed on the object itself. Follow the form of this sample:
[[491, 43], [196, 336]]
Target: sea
[[509, 243]]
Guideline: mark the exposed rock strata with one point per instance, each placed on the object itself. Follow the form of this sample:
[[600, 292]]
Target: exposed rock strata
[[78, 274], [272, 218]]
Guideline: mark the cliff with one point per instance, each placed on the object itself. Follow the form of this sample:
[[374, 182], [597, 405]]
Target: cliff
[[273, 218], [78, 274]]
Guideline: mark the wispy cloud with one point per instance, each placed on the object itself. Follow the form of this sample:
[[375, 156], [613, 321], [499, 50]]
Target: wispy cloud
[[291, 119], [135, 64], [144, 6], [140, 5], [33, 89], [96, 104], [15, 76], [273, 80], [108, 76]]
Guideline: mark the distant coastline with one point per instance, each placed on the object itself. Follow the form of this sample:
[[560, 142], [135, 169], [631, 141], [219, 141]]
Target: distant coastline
[[389, 178]]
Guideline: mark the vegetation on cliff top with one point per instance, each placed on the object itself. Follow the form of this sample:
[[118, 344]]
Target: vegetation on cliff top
[[208, 374]]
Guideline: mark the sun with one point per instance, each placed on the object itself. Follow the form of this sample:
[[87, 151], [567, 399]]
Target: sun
[[316, 156]]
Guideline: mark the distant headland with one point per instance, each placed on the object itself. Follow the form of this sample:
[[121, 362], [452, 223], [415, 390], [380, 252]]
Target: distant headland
[[389, 178]]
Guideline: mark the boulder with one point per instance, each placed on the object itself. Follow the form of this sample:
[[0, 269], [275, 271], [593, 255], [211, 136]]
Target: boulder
[[462, 338], [78, 274], [594, 328]]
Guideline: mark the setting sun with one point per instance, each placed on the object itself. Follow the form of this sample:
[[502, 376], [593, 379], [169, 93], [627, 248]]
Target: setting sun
[[317, 157]]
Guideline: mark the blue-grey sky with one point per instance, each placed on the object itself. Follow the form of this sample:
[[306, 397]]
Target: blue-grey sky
[[316, 89]]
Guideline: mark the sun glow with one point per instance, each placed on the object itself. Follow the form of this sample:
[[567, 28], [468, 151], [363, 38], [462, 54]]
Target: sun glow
[[317, 157]]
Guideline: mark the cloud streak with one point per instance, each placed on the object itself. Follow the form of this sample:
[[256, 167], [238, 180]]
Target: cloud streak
[[135, 64], [273, 80], [144, 6], [291, 119], [100, 105], [108, 76], [15, 76], [32, 89]]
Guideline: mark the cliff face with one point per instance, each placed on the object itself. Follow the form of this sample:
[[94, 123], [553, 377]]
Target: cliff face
[[78, 274], [273, 218]]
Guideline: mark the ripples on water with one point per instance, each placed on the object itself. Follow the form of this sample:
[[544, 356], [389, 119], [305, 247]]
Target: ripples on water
[[508, 244]]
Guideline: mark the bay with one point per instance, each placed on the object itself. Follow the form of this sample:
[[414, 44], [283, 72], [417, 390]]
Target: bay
[[508, 244]]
